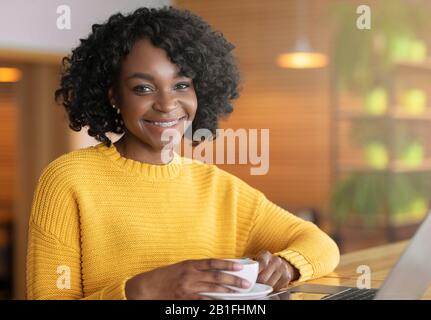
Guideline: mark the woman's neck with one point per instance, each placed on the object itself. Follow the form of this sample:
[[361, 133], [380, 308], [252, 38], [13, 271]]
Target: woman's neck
[[137, 150]]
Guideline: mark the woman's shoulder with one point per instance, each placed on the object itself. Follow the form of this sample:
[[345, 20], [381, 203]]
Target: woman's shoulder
[[72, 162]]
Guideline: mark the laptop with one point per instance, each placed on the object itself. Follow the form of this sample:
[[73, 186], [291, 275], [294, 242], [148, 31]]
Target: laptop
[[408, 280]]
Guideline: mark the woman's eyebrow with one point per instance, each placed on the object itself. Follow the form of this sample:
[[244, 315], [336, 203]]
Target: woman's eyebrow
[[149, 77], [141, 75]]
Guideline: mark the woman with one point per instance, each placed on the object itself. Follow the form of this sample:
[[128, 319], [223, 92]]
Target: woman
[[117, 221]]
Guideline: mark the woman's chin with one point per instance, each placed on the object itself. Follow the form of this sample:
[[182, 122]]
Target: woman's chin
[[162, 145]]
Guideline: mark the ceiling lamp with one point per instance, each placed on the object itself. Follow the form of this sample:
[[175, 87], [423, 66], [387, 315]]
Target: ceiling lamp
[[302, 56]]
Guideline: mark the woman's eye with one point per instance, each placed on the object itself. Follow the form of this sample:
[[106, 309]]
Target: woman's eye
[[183, 85], [142, 89]]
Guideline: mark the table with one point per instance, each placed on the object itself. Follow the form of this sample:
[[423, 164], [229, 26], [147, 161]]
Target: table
[[380, 260]]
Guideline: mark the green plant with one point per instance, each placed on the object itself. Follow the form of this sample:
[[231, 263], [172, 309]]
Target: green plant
[[406, 146], [369, 196], [358, 195], [414, 101], [376, 101]]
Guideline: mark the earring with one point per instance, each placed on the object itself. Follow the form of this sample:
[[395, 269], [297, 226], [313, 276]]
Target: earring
[[118, 109], [118, 121]]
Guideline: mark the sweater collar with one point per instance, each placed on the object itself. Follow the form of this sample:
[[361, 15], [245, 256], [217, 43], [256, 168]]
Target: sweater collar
[[143, 169]]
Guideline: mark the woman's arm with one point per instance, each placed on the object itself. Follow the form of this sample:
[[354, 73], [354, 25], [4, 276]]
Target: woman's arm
[[54, 271], [302, 244], [54, 252]]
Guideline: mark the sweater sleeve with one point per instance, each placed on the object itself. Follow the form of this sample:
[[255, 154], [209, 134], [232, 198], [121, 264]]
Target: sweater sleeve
[[53, 266], [300, 242]]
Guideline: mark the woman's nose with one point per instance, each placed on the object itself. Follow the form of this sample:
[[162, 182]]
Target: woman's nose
[[165, 102]]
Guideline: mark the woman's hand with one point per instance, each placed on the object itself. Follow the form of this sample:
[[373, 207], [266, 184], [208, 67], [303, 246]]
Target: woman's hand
[[275, 271], [184, 280]]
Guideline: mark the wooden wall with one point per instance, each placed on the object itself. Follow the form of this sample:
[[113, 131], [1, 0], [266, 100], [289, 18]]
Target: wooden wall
[[8, 143]]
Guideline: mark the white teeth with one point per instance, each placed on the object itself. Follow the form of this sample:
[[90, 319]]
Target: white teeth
[[165, 124]]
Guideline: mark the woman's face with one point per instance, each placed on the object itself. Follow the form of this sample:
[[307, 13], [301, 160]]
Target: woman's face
[[152, 96]]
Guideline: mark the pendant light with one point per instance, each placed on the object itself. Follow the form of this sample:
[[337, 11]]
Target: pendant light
[[302, 56]]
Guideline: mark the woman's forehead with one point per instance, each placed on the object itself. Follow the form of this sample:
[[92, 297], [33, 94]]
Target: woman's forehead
[[144, 57]]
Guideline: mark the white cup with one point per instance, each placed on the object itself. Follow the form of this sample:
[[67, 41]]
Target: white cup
[[249, 272]]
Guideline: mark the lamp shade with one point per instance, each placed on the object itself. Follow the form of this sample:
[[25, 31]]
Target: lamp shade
[[302, 57], [302, 60]]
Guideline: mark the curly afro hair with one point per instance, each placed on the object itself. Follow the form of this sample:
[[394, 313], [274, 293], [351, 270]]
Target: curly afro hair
[[93, 67]]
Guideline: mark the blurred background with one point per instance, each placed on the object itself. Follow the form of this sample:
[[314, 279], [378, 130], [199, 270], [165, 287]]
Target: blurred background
[[348, 108]]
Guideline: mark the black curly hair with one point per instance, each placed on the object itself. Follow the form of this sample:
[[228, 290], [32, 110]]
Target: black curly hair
[[93, 67]]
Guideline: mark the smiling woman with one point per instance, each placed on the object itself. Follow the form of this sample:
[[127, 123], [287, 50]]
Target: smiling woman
[[115, 221]]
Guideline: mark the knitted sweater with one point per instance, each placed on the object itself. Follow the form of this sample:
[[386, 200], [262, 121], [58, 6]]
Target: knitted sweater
[[98, 219]]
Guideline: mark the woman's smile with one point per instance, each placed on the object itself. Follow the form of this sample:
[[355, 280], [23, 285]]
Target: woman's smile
[[159, 125]]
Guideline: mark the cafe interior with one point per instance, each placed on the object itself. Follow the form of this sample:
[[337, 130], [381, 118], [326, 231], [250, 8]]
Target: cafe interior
[[343, 88]]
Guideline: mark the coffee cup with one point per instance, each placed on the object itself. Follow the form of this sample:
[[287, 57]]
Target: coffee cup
[[249, 272]]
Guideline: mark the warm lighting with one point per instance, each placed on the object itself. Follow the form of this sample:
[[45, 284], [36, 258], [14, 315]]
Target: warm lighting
[[10, 74], [302, 56], [302, 60]]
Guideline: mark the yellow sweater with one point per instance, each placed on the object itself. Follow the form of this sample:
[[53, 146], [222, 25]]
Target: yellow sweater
[[98, 219]]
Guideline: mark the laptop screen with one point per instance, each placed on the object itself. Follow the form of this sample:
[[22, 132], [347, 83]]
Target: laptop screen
[[411, 276]]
